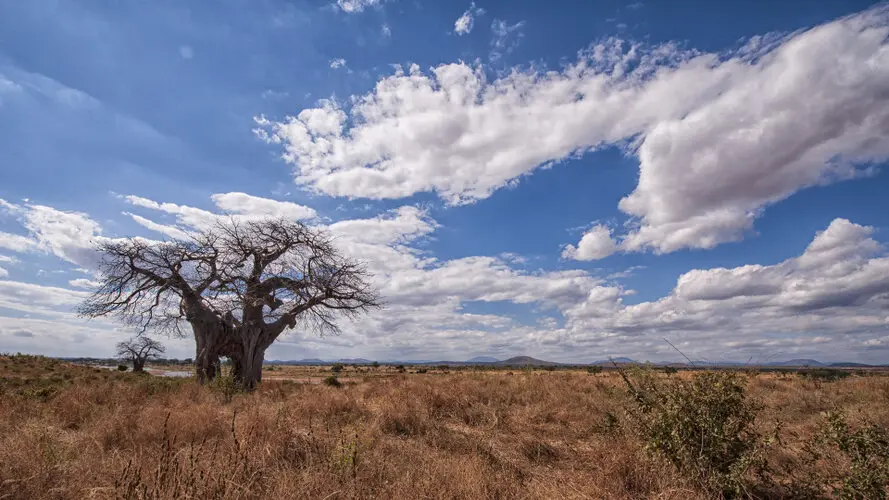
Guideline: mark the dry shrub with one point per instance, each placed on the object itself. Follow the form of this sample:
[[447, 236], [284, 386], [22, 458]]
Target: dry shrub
[[403, 421], [539, 451], [196, 470]]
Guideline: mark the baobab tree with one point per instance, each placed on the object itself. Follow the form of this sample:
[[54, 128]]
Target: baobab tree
[[238, 284], [139, 350]]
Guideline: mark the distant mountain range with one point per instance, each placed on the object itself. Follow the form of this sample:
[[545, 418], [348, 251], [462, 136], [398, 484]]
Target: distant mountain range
[[619, 361], [530, 361], [354, 361], [797, 362], [483, 359]]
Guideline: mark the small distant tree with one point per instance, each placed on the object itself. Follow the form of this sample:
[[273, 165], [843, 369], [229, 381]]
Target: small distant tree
[[139, 350]]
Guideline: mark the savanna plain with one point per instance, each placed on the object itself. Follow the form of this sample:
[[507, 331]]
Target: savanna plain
[[73, 431]]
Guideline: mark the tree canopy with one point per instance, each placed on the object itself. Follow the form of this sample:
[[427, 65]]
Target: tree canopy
[[139, 350], [237, 284]]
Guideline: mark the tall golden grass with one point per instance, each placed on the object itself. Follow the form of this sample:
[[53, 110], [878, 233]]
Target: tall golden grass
[[78, 432]]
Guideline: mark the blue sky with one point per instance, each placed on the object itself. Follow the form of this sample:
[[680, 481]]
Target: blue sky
[[569, 182]]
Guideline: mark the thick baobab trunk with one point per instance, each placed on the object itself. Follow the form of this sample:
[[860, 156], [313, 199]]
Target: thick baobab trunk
[[208, 339], [247, 355], [210, 335], [206, 365], [138, 365]]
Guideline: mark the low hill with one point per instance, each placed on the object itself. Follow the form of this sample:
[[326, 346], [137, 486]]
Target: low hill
[[312, 361], [526, 361], [483, 359]]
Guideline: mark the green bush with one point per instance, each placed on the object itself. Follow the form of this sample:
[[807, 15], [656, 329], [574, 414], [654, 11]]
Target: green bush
[[704, 427], [40, 393], [422, 370], [332, 381], [226, 385], [858, 460], [337, 367], [592, 370], [122, 368]]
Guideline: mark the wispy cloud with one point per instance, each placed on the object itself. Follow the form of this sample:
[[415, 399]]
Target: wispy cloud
[[353, 6], [186, 51], [464, 24], [506, 38]]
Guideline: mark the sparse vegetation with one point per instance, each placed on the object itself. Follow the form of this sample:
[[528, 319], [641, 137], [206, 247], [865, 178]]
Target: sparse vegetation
[[226, 385], [824, 374], [850, 463], [70, 431]]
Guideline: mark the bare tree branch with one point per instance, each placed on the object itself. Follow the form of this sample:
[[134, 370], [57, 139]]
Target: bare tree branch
[[238, 284]]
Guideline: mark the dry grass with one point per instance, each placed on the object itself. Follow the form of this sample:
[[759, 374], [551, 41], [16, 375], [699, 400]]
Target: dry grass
[[77, 432]]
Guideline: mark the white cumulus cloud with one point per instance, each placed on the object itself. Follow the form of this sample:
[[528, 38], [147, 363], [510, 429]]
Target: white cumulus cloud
[[595, 244], [719, 137]]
